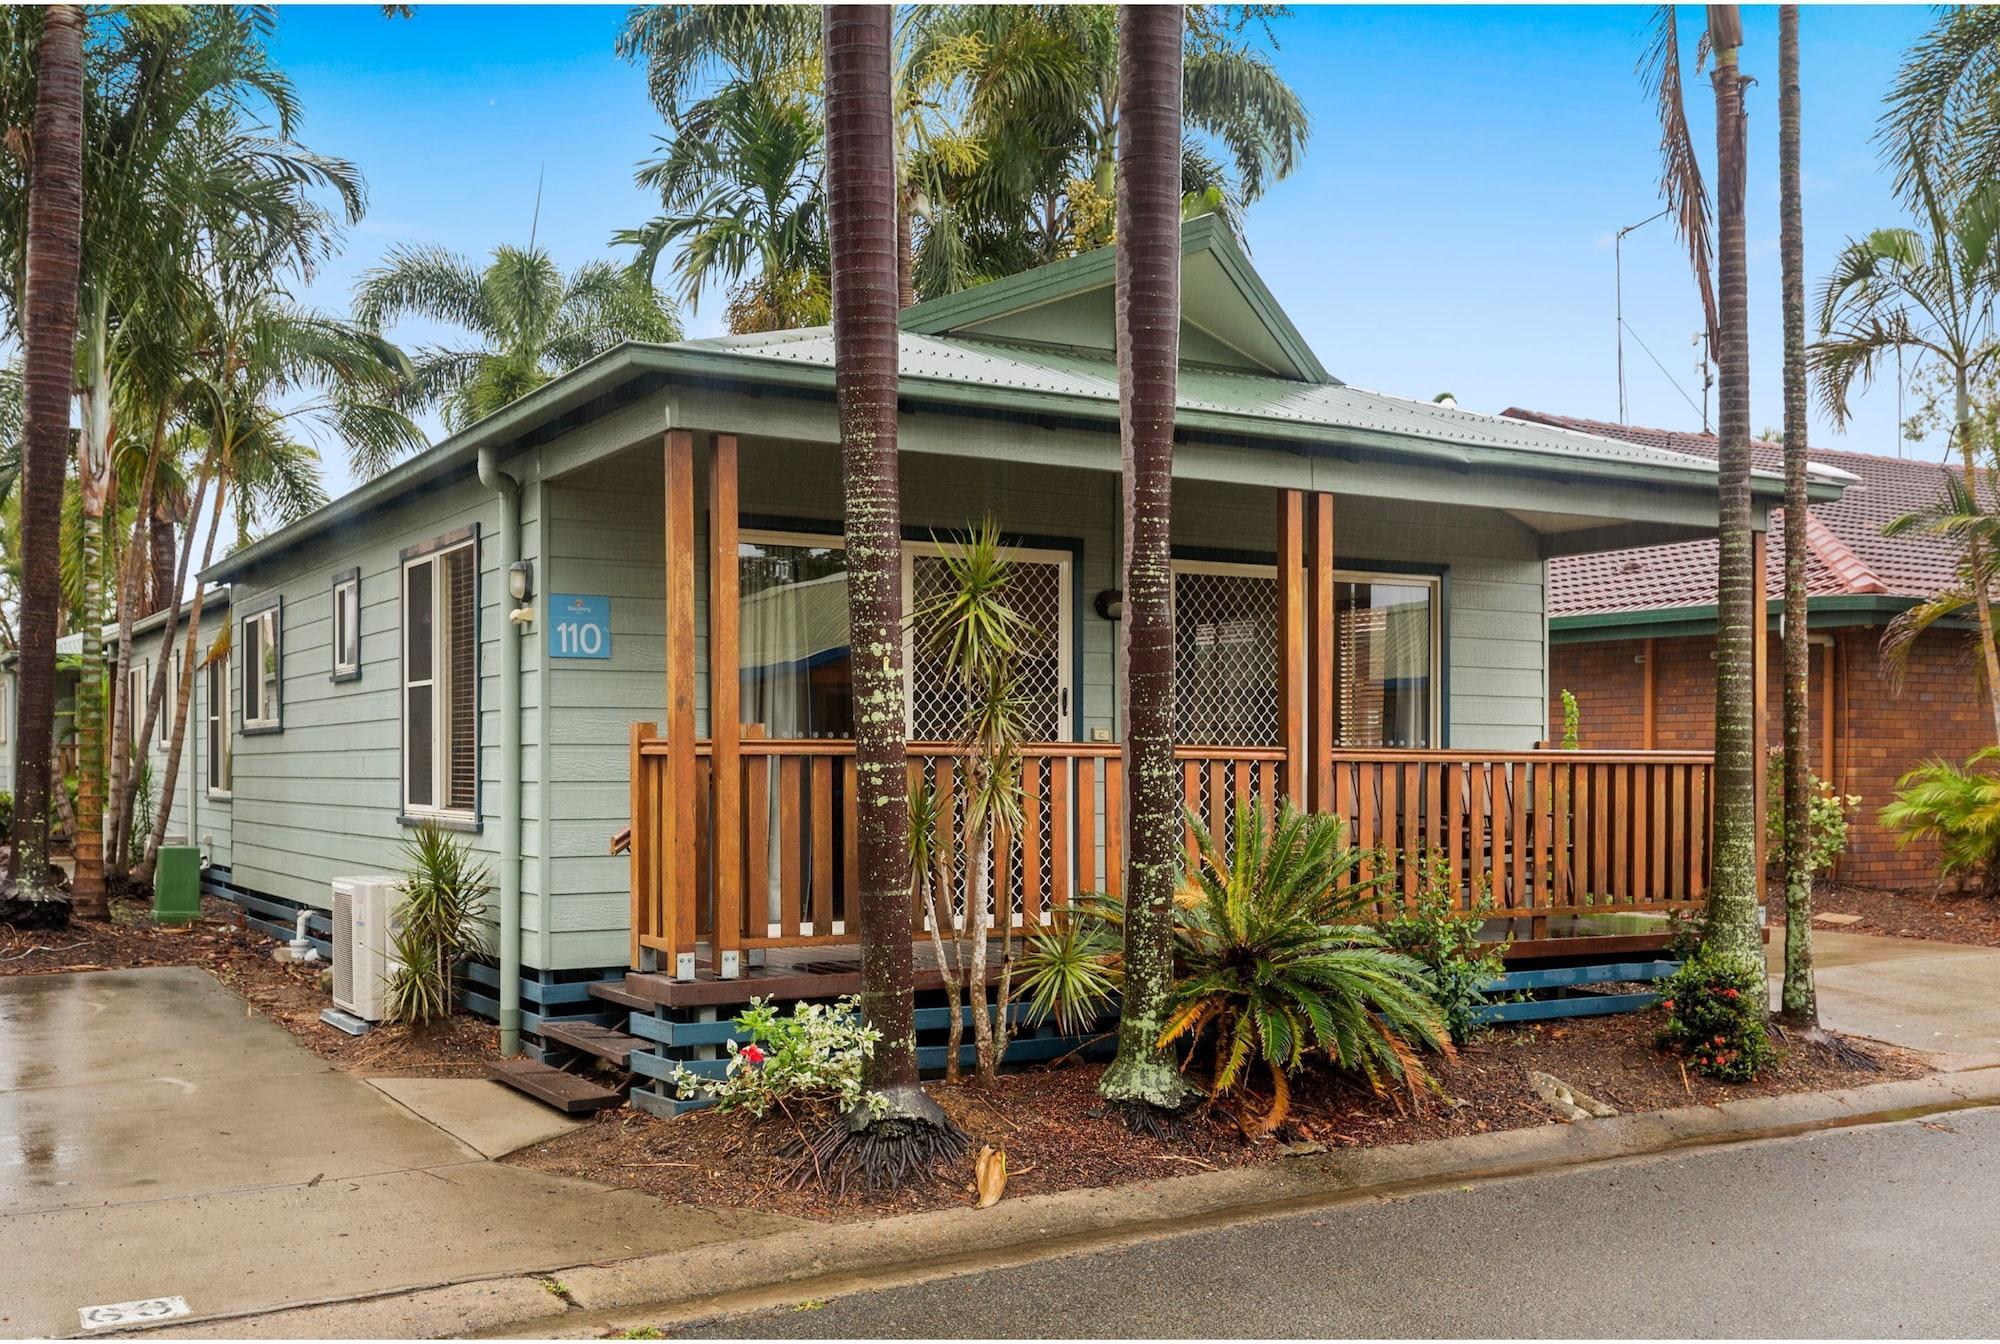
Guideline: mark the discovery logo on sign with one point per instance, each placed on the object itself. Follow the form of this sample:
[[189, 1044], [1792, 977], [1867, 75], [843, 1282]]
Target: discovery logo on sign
[[579, 626]]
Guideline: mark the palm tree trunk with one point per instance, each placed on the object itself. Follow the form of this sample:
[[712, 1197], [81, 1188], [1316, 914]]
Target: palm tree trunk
[[1798, 1000], [861, 177], [978, 889], [164, 589], [48, 338], [1976, 564], [184, 693], [1732, 905], [1148, 316], [94, 479], [122, 780]]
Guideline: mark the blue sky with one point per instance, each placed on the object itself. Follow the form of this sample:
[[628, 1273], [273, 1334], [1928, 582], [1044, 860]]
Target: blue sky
[[1449, 229]]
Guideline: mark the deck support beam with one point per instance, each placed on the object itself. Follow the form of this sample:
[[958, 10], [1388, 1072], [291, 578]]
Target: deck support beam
[[1319, 664], [1292, 624], [678, 814]]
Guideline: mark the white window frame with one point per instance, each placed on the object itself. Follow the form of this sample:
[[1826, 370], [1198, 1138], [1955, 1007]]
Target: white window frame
[[433, 554], [269, 718], [344, 622], [1065, 563], [215, 713], [6, 710], [135, 692], [163, 736]]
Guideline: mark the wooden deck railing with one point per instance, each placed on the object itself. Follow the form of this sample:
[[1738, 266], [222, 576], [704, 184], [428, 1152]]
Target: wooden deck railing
[[1541, 833]]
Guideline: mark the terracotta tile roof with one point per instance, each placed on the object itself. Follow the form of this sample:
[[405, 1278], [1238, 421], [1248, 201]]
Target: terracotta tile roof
[[1849, 552]]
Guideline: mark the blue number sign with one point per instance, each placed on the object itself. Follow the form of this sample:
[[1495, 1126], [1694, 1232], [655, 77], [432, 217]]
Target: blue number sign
[[579, 627]]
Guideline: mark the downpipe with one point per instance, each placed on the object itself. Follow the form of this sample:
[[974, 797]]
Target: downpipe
[[509, 491]]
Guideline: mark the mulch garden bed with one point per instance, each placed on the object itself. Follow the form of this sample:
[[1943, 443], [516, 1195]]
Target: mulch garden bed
[[1941, 916], [240, 957], [1058, 1137]]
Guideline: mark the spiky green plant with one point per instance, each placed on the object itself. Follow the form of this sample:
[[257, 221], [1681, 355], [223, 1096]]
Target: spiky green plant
[[439, 922], [1069, 972], [1272, 960], [1959, 808]]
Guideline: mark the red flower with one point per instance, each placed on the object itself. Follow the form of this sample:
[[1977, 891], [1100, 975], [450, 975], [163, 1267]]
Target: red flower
[[1731, 993], [1667, 1004], [751, 1053]]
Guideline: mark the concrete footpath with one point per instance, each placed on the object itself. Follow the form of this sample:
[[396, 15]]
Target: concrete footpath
[[158, 1138]]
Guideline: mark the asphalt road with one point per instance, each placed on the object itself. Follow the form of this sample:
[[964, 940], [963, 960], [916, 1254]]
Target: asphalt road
[[1883, 1231]]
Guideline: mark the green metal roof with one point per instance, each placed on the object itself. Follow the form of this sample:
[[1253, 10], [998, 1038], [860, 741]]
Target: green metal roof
[[950, 357]]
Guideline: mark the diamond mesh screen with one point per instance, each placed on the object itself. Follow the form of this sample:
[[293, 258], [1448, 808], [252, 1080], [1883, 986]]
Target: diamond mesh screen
[[1035, 592], [1225, 652]]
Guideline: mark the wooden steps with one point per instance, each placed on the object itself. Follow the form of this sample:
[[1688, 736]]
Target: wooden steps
[[607, 1043], [613, 991], [551, 1086]]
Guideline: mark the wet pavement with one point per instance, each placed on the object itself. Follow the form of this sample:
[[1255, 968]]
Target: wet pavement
[[158, 1137], [1911, 992]]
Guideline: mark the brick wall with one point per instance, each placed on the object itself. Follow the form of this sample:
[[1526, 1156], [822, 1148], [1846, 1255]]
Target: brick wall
[[1879, 732]]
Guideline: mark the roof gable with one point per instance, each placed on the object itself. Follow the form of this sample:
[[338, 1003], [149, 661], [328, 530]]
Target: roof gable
[[1229, 317]]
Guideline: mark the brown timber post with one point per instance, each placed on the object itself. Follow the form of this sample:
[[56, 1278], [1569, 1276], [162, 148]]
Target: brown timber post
[[1319, 587], [1291, 650], [1650, 689], [1760, 665], [678, 815], [724, 708]]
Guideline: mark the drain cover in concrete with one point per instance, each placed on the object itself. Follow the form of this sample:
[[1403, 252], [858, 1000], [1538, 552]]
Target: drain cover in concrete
[[143, 1312]]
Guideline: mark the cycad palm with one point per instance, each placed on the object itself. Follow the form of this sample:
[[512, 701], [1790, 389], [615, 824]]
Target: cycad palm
[[1275, 962], [1930, 292], [528, 321]]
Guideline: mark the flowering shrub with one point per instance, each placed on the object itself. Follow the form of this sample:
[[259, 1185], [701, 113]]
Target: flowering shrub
[[1827, 818], [817, 1053], [1715, 1018]]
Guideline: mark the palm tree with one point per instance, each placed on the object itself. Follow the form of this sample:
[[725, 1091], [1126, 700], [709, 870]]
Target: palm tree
[[1732, 924], [1042, 108], [530, 322], [901, 1125], [742, 192], [1925, 293], [1143, 1081], [53, 256], [1798, 1000], [1942, 119], [1682, 186]]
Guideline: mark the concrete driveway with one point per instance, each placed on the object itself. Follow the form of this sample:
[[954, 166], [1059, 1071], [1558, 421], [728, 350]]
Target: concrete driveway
[[158, 1138], [1941, 997]]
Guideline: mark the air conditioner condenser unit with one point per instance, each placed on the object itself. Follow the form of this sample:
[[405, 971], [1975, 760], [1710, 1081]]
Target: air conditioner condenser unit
[[364, 943]]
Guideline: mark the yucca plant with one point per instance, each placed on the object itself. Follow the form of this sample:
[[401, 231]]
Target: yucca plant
[[439, 922], [1069, 971], [1272, 963], [1957, 807]]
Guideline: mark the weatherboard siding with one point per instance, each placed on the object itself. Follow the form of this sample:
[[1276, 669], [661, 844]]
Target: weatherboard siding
[[321, 797]]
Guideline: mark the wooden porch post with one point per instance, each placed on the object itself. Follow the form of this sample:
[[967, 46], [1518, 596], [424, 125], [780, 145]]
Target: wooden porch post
[[1651, 739], [724, 710], [1760, 665], [678, 819], [1319, 666], [1291, 650]]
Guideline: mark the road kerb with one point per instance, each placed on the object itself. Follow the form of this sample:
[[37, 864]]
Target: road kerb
[[826, 1259]]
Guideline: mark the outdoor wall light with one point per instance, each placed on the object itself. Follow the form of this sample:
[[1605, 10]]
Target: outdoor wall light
[[521, 580], [1110, 604]]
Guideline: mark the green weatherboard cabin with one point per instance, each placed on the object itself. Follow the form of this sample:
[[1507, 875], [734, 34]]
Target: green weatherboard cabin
[[603, 633]]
